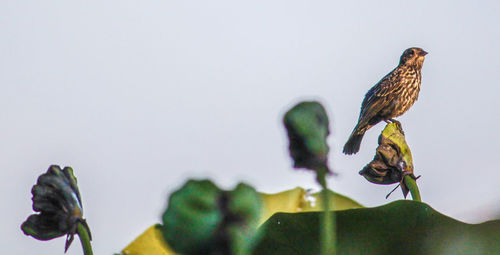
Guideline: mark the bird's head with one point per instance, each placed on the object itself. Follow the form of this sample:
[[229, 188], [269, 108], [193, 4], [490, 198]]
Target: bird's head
[[413, 57]]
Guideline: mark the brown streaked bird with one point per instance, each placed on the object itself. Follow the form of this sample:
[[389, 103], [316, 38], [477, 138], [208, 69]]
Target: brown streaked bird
[[390, 97]]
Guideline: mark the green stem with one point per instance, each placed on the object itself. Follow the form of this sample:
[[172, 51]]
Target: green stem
[[411, 184], [84, 239], [328, 238]]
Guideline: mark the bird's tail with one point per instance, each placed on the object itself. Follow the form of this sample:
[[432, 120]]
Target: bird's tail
[[352, 145]]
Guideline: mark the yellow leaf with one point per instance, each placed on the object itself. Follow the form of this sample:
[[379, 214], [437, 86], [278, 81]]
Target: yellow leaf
[[149, 243]]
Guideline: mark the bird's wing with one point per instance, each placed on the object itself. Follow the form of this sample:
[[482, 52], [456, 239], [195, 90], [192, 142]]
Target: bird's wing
[[378, 97]]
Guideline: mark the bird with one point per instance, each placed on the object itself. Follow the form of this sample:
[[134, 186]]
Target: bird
[[391, 97]]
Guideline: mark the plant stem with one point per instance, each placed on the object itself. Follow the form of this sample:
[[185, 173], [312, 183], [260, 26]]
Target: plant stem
[[84, 239], [327, 223], [411, 184]]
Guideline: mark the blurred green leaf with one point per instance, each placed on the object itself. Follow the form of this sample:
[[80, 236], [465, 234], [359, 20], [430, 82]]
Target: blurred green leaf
[[203, 219], [401, 227], [295, 200]]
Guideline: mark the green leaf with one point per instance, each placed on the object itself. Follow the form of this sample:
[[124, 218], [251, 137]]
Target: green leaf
[[295, 200], [401, 227], [203, 219]]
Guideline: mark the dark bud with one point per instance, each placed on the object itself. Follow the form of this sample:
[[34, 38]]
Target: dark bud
[[57, 199], [307, 128]]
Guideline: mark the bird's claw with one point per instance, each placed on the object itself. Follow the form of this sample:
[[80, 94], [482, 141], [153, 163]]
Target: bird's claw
[[398, 124]]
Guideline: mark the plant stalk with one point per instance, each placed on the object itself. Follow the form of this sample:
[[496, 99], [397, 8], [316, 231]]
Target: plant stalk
[[84, 239], [327, 222], [411, 184]]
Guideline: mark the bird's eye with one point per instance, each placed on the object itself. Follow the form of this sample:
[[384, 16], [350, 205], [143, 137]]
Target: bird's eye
[[410, 52]]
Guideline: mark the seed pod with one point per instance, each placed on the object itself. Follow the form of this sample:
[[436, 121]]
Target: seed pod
[[307, 128], [392, 161], [56, 197]]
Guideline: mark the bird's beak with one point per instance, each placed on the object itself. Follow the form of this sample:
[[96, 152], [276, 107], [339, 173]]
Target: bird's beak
[[422, 53]]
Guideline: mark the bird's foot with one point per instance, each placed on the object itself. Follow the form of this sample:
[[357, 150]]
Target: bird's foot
[[398, 124], [395, 121]]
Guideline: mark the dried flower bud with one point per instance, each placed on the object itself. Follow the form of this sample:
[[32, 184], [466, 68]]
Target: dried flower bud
[[57, 199], [392, 161]]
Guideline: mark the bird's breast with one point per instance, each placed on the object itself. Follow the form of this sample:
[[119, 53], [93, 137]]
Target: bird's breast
[[408, 93]]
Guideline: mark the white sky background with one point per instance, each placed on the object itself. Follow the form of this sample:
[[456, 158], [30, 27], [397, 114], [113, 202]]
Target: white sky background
[[138, 96]]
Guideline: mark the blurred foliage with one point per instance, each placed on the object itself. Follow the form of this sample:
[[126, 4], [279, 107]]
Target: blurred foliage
[[308, 128], [203, 219], [294, 200], [401, 227], [299, 200]]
